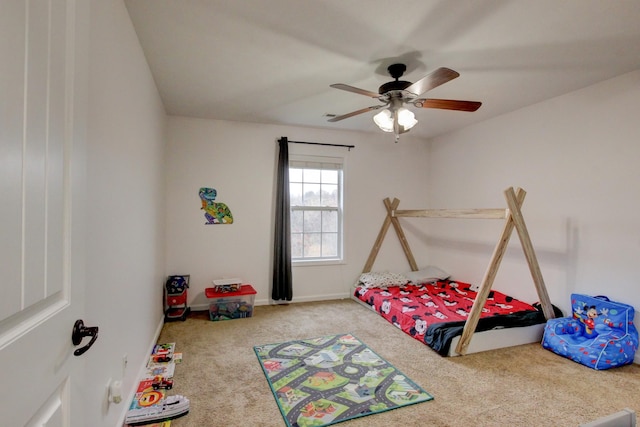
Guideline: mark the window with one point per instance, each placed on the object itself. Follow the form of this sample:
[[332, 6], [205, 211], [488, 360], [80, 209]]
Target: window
[[315, 189]]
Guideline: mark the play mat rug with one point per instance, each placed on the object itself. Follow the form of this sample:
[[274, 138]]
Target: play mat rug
[[323, 381]]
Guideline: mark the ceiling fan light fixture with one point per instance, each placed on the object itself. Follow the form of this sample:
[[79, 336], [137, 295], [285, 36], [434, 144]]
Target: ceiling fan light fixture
[[406, 118], [384, 120]]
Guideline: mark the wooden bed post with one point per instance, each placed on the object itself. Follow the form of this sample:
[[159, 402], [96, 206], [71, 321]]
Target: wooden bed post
[[383, 231], [402, 237], [529, 253], [390, 219], [514, 201], [487, 282]]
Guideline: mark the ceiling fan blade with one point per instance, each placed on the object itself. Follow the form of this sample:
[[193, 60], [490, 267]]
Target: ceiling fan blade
[[355, 113], [355, 90], [433, 80], [448, 104]]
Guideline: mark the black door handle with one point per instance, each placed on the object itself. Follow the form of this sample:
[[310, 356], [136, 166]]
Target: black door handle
[[79, 332]]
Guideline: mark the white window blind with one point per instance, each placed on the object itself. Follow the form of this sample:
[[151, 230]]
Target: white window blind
[[316, 195]]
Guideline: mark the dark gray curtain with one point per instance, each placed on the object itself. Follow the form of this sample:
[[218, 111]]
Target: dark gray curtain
[[282, 282]]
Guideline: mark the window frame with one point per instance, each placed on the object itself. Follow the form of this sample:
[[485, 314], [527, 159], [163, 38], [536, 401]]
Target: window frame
[[307, 161]]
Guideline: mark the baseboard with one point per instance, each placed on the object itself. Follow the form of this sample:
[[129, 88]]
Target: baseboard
[[624, 418], [310, 298], [141, 372]]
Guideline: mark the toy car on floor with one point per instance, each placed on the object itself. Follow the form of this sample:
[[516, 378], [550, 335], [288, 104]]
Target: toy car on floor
[[162, 355], [162, 382]]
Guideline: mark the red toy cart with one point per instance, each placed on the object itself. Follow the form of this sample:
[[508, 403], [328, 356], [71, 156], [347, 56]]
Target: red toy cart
[[175, 292]]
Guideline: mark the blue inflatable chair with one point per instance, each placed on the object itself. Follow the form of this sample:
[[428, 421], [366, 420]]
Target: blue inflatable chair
[[600, 334]]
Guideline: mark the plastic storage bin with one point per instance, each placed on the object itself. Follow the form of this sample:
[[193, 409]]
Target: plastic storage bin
[[231, 305]]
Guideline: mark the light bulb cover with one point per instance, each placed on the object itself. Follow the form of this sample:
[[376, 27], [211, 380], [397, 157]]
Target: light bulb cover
[[406, 119], [384, 120]]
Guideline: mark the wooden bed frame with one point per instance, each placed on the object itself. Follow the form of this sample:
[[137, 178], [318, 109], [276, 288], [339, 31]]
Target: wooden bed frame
[[491, 339], [512, 215]]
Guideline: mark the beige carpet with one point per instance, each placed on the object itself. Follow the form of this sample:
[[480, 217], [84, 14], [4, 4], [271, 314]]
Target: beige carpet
[[517, 386]]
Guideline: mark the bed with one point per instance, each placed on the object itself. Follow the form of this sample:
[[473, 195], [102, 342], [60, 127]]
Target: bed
[[473, 321], [435, 314]]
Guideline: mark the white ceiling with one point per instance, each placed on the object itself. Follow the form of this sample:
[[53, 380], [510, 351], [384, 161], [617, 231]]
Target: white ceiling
[[272, 61]]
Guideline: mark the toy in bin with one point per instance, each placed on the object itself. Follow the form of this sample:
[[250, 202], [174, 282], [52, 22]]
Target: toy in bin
[[176, 298], [231, 305], [227, 285]]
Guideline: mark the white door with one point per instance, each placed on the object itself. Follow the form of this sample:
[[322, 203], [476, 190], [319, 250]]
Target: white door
[[42, 99]]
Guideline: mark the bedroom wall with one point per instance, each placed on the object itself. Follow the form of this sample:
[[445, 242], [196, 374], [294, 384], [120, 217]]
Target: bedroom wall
[[576, 156], [239, 160], [125, 210]]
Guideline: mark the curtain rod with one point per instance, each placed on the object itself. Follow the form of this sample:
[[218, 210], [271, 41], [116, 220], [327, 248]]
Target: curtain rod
[[349, 147]]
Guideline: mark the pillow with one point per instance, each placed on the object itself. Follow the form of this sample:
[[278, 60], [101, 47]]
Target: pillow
[[381, 280], [429, 274]]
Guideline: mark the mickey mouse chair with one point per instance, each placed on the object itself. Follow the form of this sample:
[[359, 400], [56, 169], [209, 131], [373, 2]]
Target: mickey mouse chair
[[600, 335]]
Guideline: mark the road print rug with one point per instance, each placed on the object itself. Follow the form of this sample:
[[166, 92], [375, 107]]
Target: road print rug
[[323, 381]]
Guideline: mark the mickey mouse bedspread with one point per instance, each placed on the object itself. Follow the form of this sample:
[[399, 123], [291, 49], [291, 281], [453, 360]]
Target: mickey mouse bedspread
[[435, 313]]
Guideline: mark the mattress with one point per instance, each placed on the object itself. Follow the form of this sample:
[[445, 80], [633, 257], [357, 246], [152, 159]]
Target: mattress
[[436, 313]]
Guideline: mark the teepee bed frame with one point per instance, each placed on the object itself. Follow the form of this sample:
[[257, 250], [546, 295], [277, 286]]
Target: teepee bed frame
[[512, 217]]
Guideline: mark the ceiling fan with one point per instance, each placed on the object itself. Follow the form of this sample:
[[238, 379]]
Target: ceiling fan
[[394, 94]]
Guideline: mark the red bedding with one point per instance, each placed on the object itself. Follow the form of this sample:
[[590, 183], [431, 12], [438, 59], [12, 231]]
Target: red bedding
[[425, 312]]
